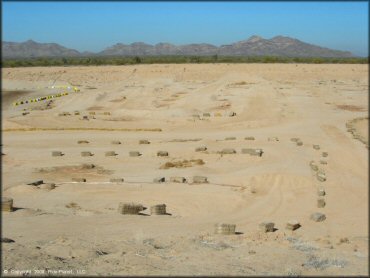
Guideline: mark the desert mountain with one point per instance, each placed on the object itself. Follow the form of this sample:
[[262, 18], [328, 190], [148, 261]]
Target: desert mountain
[[31, 48], [254, 46]]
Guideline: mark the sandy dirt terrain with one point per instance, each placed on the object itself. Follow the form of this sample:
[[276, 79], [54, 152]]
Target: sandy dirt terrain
[[76, 229]]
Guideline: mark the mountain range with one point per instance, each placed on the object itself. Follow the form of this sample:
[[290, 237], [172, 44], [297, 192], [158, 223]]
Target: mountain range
[[254, 46]]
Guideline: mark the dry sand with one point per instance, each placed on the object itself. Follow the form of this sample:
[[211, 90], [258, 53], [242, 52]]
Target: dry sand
[[76, 228]]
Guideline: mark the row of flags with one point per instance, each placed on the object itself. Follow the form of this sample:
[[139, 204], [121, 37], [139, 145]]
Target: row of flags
[[47, 97]]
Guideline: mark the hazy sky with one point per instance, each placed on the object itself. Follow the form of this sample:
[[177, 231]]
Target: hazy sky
[[94, 26]]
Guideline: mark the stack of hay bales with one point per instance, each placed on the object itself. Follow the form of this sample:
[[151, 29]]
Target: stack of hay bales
[[47, 186], [320, 175], [249, 138], [225, 229], [299, 143], [116, 142], [6, 204], [231, 114], [117, 180], [293, 225], [134, 153], [158, 209], [267, 226], [159, 180], [82, 142], [110, 153], [36, 183], [178, 179], [273, 139], [230, 138], [257, 152], [92, 113], [228, 151], [87, 166], [200, 179], [56, 153], [144, 142], [318, 217], [316, 147], [130, 208], [321, 191], [78, 179], [324, 154], [206, 115], [321, 202], [162, 153], [201, 149], [313, 166], [86, 153]]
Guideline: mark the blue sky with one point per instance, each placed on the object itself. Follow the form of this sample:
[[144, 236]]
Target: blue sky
[[93, 26]]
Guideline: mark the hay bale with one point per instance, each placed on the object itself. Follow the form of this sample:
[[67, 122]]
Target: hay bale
[[230, 138], [162, 153], [267, 227], [321, 203], [201, 149], [87, 166], [320, 175], [118, 180], [206, 115], [144, 142], [316, 147], [116, 142], [134, 153], [83, 142], [225, 229], [86, 154], [257, 152], [231, 114], [324, 154], [321, 191], [47, 186], [200, 179], [159, 180], [130, 208], [110, 153], [228, 151], [293, 225], [313, 166], [56, 153], [178, 179], [78, 179], [249, 138], [158, 209], [6, 204], [36, 183], [318, 217]]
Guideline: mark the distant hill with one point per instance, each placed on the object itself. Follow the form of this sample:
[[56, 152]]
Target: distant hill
[[254, 46], [31, 48]]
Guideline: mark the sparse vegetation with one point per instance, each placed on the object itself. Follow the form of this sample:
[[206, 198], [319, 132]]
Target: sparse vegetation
[[108, 60]]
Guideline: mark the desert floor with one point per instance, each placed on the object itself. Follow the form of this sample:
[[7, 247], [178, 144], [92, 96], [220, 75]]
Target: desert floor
[[76, 228]]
